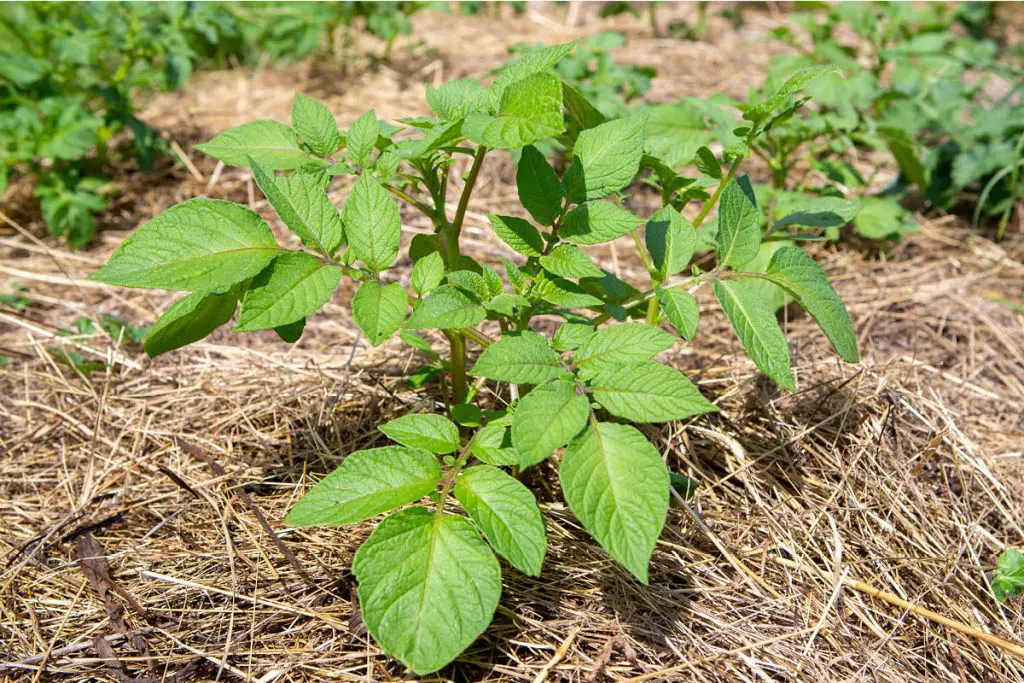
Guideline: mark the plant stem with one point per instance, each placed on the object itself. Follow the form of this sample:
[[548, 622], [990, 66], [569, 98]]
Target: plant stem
[[450, 238], [718, 193], [474, 171], [460, 387], [652, 311]]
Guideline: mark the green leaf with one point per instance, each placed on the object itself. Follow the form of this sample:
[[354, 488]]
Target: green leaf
[[518, 234], [190, 319], [540, 190], [883, 217], [648, 392], [530, 111], [428, 586], [362, 138], [495, 287], [366, 484], [507, 513], [296, 285], [739, 224], [302, 203], [623, 344], [683, 485], [493, 445], [605, 159], [547, 418], [1008, 581], [508, 304], [618, 486], [568, 260], [271, 143], [434, 433], [372, 223], [597, 222], [471, 283], [681, 309], [427, 273], [708, 164], [455, 99], [561, 292], [534, 62], [315, 124], [379, 309], [519, 358], [200, 244], [797, 273], [821, 212], [670, 240], [757, 329], [467, 414], [447, 307], [571, 334], [291, 332], [791, 87]]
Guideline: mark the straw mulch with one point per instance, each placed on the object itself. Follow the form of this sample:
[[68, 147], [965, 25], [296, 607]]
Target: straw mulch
[[140, 535]]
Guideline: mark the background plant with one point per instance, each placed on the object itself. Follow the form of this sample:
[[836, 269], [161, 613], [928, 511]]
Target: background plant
[[429, 583], [929, 96], [71, 75]]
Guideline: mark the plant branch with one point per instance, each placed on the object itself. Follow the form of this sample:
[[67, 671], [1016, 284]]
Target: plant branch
[[412, 201], [474, 171]]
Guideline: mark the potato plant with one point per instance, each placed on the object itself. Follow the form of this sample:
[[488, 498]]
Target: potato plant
[[429, 575]]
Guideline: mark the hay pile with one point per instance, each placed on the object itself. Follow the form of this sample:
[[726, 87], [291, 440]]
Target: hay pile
[[140, 537]]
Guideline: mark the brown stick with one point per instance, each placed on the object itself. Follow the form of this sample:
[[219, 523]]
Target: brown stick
[[1008, 646]]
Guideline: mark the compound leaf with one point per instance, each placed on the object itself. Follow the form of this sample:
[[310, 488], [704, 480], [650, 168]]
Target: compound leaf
[[366, 484], [315, 124], [493, 445], [379, 309], [648, 392], [540, 190], [302, 203], [670, 240], [739, 224], [757, 329], [1008, 580], [568, 260], [295, 285], [597, 222], [271, 143], [362, 138], [605, 159], [428, 586], [561, 292], [519, 358], [680, 308], [427, 273], [455, 99], [528, 112], [797, 273], [507, 513], [518, 234], [623, 344], [200, 244], [372, 223], [618, 486], [190, 319], [434, 433], [447, 307], [546, 419]]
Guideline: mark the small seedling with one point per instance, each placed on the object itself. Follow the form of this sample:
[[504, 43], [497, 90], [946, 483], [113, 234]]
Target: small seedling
[[429, 575]]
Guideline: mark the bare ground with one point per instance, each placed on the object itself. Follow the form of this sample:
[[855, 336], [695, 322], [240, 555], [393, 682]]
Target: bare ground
[[137, 538]]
